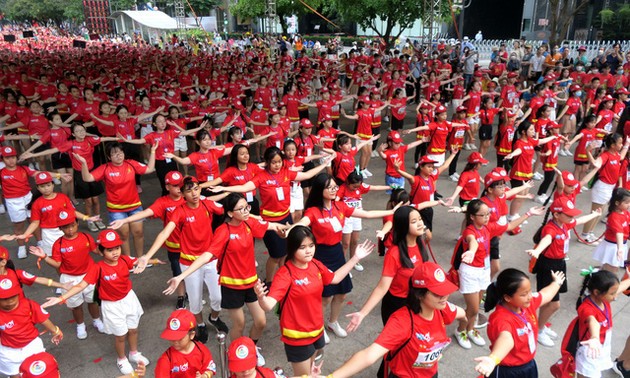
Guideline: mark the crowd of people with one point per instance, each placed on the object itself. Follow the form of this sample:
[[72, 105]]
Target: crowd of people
[[249, 145]]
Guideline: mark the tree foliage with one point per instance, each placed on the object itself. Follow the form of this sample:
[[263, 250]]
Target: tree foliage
[[392, 13], [614, 22], [284, 8], [43, 10], [562, 14]]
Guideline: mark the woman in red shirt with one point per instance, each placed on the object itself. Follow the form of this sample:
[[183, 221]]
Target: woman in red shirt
[[585, 136], [522, 166], [513, 326], [344, 162], [414, 337], [505, 137], [613, 252], [605, 117], [609, 161], [300, 305], [398, 105], [274, 184]]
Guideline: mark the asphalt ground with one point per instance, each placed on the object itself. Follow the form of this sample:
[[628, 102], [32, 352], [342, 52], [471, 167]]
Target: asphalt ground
[[95, 357]]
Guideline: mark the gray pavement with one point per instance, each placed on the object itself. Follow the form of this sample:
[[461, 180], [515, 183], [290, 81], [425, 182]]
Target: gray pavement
[[95, 357]]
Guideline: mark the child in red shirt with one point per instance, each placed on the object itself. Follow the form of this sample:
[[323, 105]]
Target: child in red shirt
[[395, 150], [613, 251]]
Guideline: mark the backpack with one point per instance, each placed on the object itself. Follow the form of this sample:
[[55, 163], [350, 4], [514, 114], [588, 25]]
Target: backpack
[[456, 260], [565, 366]]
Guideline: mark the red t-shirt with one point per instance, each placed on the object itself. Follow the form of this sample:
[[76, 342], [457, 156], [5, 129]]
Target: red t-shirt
[[234, 176], [392, 267], [439, 132], [617, 223], [190, 221], [165, 140], [83, 148], [330, 133], [17, 327], [46, 211], [427, 340], [606, 123], [498, 209], [560, 238], [113, 280], [275, 193], [302, 318], [344, 164], [506, 131], [523, 167], [207, 164], [483, 237], [603, 316], [234, 247], [390, 156], [364, 123], [588, 135], [611, 165], [15, 182], [56, 137], [353, 198], [175, 364], [163, 208], [422, 189], [120, 184], [524, 330], [327, 224], [74, 254], [470, 181], [551, 161], [398, 107], [456, 136]]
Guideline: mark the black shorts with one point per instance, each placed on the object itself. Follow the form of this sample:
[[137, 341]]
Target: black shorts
[[514, 183], [43, 147], [60, 160], [307, 167], [494, 248], [544, 267], [277, 246], [173, 259], [528, 370], [232, 298], [576, 162], [485, 132], [303, 352], [427, 217], [84, 190], [463, 202]]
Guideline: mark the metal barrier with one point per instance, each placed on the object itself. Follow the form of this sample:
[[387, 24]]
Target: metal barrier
[[222, 338]]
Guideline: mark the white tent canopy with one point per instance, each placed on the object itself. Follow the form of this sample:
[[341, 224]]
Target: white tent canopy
[[149, 19]]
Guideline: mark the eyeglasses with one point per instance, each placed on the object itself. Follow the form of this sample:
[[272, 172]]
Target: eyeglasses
[[332, 188], [486, 215], [244, 210]]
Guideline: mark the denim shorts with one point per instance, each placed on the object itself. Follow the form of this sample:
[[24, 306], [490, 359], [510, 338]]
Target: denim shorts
[[122, 214]]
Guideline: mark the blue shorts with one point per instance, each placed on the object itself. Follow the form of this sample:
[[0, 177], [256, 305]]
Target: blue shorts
[[123, 214], [399, 182]]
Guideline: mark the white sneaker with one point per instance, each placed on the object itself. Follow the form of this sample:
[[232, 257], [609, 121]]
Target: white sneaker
[[260, 360], [374, 154], [476, 338], [562, 152], [364, 175], [541, 198], [56, 181], [22, 253], [137, 358], [124, 366], [472, 146], [568, 152], [92, 227], [549, 332], [545, 340], [81, 331], [481, 321], [100, 225], [537, 176], [462, 339], [358, 267], [326, 338], [456, 174], [98, 324], [337, 330], [368, 173], [466, 147], [453, 178], [3, 210]]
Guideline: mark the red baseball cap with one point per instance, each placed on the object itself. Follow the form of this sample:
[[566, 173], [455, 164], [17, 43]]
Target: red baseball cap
[[607, 98], [492, 177], [178, 325], [326, 117], [273, 111], [376, 90], [461, 108], [306, 123], [324, 90], [431, 276], [564, 205], [575, 87], [440, 109], [4, 253], [476, 158], [553, 125], [242, 355], [511, 113], [8, 151], [569, 179], [395, 136], [622, 90], [238, 105], [426, 160], [173, 178], [40, 365], [550, 77], [43, 178], [203, 98], [65, 218], [512, 75], [478, 74], [109, 239], [425, 105], [9, 287]]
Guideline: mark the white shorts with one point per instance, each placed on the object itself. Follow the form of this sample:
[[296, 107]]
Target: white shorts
[[11, 358], [145, 130], [121, 316], [601, 192], [592, 367], [352, 224], [87, 295], [473, 279], [455, 103], [606, 253], [181, 144], [219, 118], [49, 237], [16, 207], [472, 120], [439, 158], [194, 287], [297, 198]]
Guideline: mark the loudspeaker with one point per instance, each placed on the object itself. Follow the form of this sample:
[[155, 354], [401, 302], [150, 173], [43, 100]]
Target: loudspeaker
[[79, 44], [9, 38], [27, 34]]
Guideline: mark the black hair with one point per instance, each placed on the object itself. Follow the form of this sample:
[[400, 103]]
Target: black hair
[[201, 134], [270, 153], [340, 141], [288, 142], [112, 146], [507, 283], [231, 131], [588, 119], [155, 117], [229, 203], [52, 115], [318, 185], [541, 110], [400, 230], [520, 130], [187, 184], [414, 296], [472, 208], [602, 281], [354, 178], [611, 139], [233, 161], [398, 195], [470, 166], [120, 107], [619, 195], [295, 238]]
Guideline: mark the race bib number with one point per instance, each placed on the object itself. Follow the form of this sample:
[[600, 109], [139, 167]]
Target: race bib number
[[336, 225], [280, 194], [459, 133], [608, 127], [354, 204], [249, 196]]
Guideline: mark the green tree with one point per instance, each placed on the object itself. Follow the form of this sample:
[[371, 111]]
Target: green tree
[[561, 16], [43, 10], [201, 7], [614, 22], [393, 13], [121, 5], [284, 8]]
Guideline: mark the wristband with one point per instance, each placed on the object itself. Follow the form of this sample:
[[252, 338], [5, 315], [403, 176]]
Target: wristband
[[134, 374], [329, 376], [528, 214], [85, 217], [63, 300], [57, 331], [495, 359], [50, 281], [58, 175]]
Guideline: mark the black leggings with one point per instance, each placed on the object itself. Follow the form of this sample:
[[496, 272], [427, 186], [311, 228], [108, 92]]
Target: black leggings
[[452, 168], [375, 131], [161, 169], [397, 124], [501, 162], [421, 150], [549, 176]]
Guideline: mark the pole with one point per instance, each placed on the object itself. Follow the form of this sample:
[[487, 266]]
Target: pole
[[221, 338], [461, 21]]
